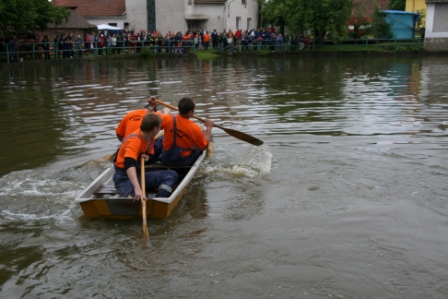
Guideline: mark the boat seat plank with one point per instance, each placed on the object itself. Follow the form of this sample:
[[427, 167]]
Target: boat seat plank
[[164, 166], [105, 189], [110, 190]]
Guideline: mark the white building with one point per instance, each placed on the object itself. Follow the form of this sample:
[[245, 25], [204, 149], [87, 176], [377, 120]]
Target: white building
[[181, 15], [168, 15], [436, 33]]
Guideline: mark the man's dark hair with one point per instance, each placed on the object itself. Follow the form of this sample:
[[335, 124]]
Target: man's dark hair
[[150, 121], [186, 105]]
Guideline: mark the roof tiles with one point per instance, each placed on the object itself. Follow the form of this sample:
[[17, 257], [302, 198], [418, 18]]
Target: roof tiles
[[95, 8]]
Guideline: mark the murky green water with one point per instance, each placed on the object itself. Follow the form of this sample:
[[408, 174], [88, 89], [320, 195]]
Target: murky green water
[[347, 198]]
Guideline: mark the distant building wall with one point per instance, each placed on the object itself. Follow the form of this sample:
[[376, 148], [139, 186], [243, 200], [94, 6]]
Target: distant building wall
[[171, 16], [183, 15], [414, 5], [136, 15], [417, 6], [241, 15], [436, 34]]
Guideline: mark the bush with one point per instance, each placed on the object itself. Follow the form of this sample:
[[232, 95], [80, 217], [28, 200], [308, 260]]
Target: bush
[[380, 28], [417, 48], [147, 52]]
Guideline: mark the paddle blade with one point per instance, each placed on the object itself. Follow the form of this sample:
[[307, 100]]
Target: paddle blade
[[143, 186], [145, 226], [145, 232], [243, 136], [108, 158]]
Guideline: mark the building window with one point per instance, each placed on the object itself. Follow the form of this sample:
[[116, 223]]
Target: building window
[[440, 10], [238, 22], [249, 24], [113, 24], [190, 2], [126, 26], [243, 2]]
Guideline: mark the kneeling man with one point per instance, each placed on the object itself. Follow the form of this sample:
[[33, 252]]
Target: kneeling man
[[127, 167]]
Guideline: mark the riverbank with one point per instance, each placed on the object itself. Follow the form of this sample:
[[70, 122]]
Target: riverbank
[[327, 51]]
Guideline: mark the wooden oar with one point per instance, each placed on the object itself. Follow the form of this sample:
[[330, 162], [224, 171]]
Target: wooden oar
[[237, 134], [143, 185]]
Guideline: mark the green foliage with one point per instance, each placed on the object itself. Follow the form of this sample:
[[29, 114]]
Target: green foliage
[[379, 27], [417, 48], [264, 52], [275, 12], [23, 15], [422, 18], [321, 17], [206, 55], [147, 52], [397, 5]]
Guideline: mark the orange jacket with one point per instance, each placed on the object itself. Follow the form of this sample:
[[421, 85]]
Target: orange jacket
[[132, 147], [132, 121], [189, 134]]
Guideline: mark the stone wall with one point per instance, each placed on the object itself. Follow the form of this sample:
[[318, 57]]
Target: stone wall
[[436, 44]]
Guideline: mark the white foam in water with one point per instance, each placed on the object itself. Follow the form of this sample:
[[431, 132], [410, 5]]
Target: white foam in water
[[30, 184], [258, 159], [61, 218], [255, 162]]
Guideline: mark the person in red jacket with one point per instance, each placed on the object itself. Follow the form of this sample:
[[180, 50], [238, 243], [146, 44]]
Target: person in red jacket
[[127, 177], [184, 140]]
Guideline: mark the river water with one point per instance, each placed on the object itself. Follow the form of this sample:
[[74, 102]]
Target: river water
[[347, 198]]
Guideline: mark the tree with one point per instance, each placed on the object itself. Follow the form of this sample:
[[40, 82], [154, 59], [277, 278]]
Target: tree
[[22, 15], [380, 28], [321, 17], [274, 12], [397, 5]]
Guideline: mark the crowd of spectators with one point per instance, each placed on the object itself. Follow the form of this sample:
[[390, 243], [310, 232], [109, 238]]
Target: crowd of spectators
[[103, 43]]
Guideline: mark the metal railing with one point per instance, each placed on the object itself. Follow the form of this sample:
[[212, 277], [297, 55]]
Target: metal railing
[[12, 52]]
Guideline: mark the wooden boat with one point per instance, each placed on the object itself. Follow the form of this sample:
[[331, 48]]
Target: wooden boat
[[101, 200]]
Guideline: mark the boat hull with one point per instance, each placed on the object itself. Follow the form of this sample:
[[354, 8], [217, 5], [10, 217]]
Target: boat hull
[[101, 200]]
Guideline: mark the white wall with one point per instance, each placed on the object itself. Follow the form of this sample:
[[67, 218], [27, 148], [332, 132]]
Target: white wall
[[170, 15], [136, 15], [437, 12], [235, 9]]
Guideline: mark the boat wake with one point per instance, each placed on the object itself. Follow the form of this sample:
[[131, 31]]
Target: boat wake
[[29, 184], [255, 162], [6, 214]]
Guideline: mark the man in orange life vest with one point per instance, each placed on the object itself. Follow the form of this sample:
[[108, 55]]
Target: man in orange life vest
[[127, 177], [132, 120], [184, 140]]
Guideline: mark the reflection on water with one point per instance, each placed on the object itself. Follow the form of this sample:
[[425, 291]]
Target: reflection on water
[[348, 190], [63, 109]]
